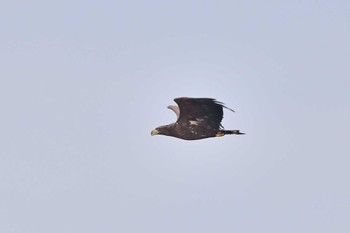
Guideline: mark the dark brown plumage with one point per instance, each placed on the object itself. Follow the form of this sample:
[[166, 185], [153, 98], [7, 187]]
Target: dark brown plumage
[[198, 118]]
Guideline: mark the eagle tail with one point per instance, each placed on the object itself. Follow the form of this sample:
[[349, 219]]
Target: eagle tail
[[231, 132]]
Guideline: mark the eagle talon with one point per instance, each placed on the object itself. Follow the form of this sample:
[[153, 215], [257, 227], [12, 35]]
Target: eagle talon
[[219, 134]]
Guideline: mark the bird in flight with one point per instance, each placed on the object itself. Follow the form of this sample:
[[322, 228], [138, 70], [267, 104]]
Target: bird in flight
[[197, 118]]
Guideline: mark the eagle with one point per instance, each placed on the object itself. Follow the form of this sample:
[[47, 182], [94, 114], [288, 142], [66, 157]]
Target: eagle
[[197, 118]]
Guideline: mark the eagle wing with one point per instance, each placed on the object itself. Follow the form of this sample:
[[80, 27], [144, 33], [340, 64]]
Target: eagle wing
[[175, 109], [200, 112]]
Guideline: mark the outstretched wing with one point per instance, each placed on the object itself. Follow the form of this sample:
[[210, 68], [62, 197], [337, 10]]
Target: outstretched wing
[[175, 109], [200, 111]]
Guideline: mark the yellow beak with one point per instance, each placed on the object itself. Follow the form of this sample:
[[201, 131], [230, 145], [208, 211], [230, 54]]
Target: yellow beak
[[154, 132]]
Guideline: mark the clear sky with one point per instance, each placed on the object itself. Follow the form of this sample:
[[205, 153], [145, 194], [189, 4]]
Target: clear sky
[[83, 83]]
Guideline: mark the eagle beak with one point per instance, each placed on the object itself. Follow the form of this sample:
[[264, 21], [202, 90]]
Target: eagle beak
[[154, 132]]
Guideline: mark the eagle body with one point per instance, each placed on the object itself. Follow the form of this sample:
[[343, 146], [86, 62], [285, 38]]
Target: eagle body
[[198, 118]]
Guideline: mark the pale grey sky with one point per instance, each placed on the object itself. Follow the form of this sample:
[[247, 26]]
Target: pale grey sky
[[83, 83]]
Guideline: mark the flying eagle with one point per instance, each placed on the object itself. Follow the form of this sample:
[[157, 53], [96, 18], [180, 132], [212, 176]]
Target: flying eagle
[[197, 118]]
